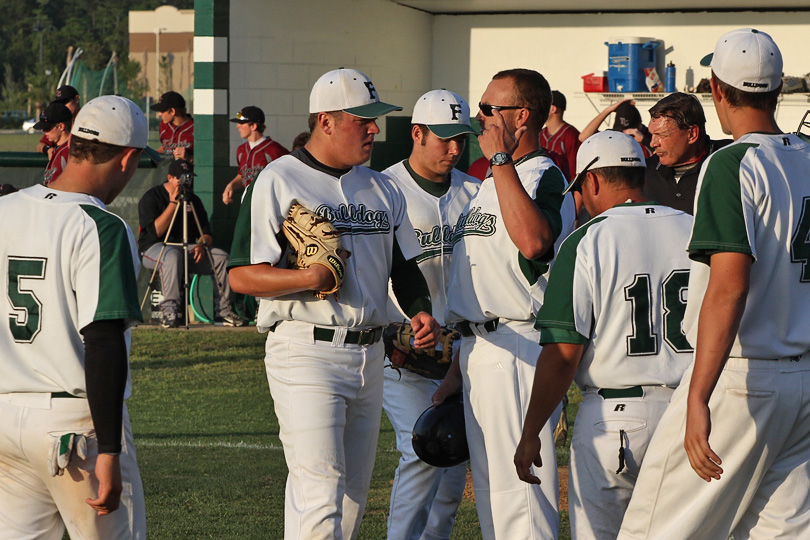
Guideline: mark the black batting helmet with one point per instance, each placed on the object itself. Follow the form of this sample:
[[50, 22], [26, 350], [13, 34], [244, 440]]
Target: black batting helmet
[[438, 437]]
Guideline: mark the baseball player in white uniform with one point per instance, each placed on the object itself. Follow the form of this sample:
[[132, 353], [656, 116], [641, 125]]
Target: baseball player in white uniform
[[324, 357], [425, 499], [67, 458], [505, 243], [741, 418], [611, 321]]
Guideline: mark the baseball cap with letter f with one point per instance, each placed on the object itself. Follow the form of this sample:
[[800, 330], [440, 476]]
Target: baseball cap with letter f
[[350, 91], [445, 113]]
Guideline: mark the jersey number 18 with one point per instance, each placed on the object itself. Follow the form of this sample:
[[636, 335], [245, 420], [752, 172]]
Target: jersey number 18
[[644, 341]]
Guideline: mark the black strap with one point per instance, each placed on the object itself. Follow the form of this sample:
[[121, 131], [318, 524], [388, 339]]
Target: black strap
[[63, 395], [465, 327], [621, 393], [621, 451], [353, 337]]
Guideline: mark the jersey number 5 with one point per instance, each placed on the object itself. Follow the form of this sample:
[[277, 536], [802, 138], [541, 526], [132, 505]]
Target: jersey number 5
[[644, 341], [24, 320]]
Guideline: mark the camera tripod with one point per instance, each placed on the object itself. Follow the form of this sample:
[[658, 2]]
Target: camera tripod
[[185, 205]]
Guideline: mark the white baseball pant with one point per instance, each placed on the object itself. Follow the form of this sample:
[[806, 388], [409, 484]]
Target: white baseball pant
[[424, 499], [760, 412], [328, 400], [598, 491], [34, 505], [498, 370]]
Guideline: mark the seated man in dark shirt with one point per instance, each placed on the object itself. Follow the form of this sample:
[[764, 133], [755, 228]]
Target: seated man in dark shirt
[[681, 145], [155, 211]]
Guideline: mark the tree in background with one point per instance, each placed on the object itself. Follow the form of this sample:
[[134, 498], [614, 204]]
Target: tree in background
[[35, 36]]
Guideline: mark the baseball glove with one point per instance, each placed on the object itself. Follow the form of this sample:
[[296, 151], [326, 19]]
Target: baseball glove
[[314, 240], [430, 363]]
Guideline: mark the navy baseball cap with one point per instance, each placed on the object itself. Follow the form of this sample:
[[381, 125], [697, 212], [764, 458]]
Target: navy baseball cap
[[627, 117], [179, 167], [249, 115], [558, 99], [52, 115], [169, 100], [65, 94]]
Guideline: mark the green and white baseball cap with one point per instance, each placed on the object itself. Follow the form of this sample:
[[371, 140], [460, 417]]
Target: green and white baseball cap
[[606, 149], [350, 91], [746, 59], [112, 120], [445, 113]]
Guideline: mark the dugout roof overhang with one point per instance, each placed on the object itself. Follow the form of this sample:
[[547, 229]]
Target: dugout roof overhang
[[471, 7]]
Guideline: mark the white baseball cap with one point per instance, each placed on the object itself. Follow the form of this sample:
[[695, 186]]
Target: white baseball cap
[[445, 113], [746, 59], [350, 91], [607, 149], [112, 120]]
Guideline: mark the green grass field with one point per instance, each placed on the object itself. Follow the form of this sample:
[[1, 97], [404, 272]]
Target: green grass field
[[19, 141], [208, 445]]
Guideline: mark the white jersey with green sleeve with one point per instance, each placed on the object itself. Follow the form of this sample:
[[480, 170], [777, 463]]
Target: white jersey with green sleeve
[[71, 260], [618, 286], [489, 278], [365, 206], [434, 219], [753, 197]]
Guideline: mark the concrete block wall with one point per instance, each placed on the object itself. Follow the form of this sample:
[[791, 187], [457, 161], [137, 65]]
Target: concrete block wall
[[279, 49]]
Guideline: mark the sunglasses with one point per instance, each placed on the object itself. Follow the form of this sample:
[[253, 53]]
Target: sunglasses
[[487, 109]]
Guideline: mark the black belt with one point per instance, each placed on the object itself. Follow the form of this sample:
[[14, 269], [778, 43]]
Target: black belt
[[620, 393], [63, 395], [465, 327], [353, 337]]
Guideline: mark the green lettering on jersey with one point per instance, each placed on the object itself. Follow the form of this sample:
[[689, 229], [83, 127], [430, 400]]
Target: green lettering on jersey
[[642, 341], [117, 287], [674, 288], [800, 243], [25, 320]]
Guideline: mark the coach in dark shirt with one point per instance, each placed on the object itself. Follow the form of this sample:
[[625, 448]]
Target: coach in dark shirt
[[681, 145]]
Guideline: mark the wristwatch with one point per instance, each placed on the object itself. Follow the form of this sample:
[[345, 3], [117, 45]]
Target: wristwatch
[[500, 158]]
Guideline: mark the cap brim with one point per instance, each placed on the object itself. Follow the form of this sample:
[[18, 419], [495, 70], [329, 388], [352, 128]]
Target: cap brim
[[372, 110], [238, 121], [577, 180], [448, 131], [44, 126], [706, 61], [575, 183], [158, 108]]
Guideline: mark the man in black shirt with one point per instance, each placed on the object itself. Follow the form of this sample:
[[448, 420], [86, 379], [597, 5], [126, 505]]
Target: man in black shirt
[[155, 211], [681, 145]]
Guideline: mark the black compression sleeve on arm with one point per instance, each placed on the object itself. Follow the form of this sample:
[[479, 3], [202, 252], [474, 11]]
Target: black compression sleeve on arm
[[409, 285], [105, 372]]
